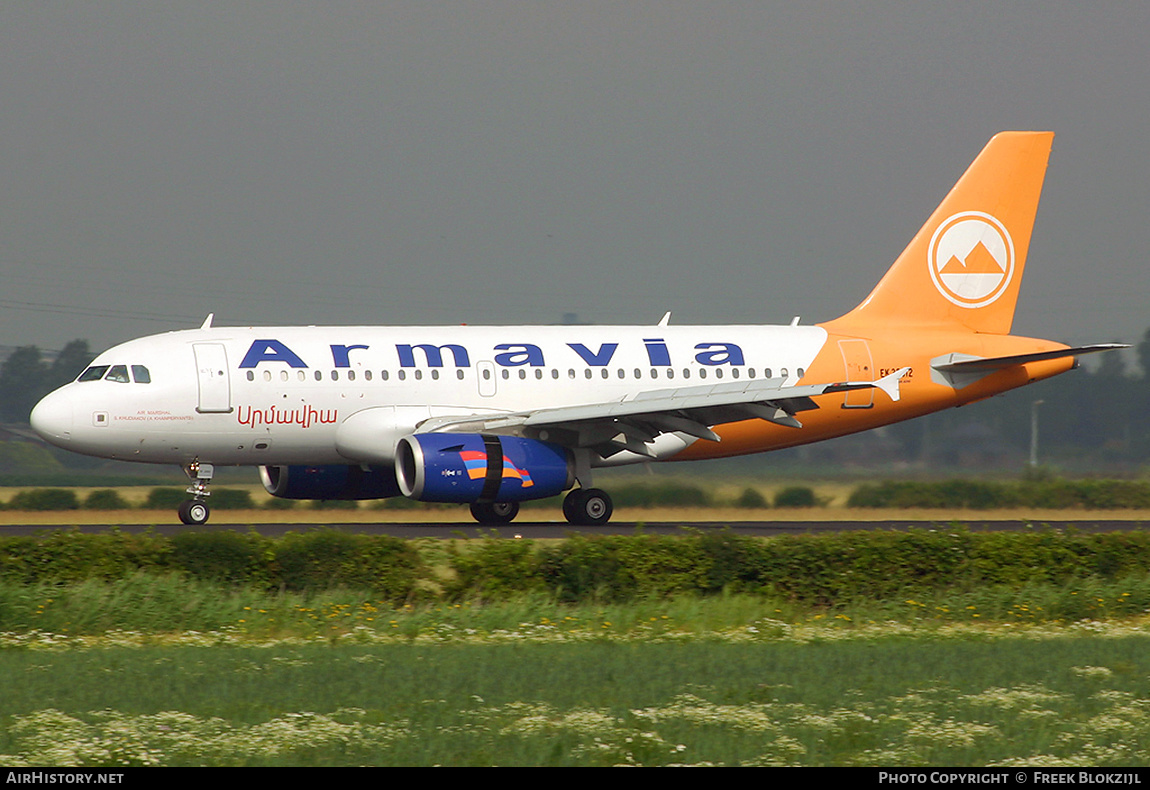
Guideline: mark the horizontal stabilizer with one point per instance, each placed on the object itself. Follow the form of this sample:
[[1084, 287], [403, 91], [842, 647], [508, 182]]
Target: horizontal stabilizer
[[979, 365]]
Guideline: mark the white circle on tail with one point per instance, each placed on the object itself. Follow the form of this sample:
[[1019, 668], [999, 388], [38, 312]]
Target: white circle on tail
[[971, 259]]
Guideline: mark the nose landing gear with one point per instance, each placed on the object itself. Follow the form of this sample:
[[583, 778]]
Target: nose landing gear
[[195, 511]]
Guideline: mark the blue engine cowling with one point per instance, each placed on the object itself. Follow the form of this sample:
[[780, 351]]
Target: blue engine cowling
[[329, 482], [454, 467]]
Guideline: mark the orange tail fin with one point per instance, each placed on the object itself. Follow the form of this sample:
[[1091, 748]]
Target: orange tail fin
[[963, 268]]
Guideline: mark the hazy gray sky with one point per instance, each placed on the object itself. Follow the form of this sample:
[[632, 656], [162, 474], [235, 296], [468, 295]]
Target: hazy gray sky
[[507, 162]]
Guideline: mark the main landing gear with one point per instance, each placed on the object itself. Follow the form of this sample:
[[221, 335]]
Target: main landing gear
[[585, 507], [494, 513], [195, 511]]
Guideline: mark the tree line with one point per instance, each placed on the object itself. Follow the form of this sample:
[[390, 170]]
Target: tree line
[[26, 376]]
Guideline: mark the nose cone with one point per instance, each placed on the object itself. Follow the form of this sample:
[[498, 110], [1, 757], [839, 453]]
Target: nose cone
[[52, 418]]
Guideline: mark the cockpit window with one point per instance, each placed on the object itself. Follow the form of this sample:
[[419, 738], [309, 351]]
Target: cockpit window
[[94, 373], [119, 374]]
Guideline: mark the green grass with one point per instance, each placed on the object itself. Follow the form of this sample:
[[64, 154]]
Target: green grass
[[167, 671], [886, 701]]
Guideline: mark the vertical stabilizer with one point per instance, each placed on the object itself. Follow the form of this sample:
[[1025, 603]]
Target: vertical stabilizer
[[964, 267]]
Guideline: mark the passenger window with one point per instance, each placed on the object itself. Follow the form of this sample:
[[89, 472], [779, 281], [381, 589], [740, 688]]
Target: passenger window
[[94, 373], [141, 374], [118, 374]]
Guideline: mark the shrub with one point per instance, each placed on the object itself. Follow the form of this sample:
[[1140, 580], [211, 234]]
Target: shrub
[[105, 499], [66, 556], [44, 499], [227, 556], [329, 559], [751, 498], [165, 498], [1032, 492], [494, 568], [795, 496]]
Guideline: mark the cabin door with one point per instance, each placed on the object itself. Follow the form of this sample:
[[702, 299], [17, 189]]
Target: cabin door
[[212, 377]]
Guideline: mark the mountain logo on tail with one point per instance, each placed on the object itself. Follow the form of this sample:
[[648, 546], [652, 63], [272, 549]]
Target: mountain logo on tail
[[971, 259]]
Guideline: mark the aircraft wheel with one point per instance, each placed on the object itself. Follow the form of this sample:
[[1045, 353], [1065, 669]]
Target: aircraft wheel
[[588, 508], [571, 505], [194, 513], [494, 512]]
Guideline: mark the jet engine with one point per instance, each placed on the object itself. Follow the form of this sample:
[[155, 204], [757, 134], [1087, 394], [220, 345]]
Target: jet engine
[[452, 467], [329, 482]]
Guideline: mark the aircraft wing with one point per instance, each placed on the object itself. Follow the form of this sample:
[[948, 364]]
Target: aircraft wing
[[630, 423]]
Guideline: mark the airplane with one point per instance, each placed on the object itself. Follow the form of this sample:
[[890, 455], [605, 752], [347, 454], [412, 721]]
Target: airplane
[[491, 416]]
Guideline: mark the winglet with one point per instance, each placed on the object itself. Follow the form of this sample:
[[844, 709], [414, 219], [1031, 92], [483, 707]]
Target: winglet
[[207, 324]]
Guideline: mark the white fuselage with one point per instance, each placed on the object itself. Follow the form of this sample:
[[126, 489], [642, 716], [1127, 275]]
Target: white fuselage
[[327, 395]]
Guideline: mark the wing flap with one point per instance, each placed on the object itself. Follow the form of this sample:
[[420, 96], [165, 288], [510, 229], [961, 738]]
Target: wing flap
[[633, 422]]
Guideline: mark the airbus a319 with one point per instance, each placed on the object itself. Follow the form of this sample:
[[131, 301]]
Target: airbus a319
[[494, 416]]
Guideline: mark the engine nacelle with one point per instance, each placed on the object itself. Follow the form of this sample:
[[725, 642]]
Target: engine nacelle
[[455, 467], [329, 482]]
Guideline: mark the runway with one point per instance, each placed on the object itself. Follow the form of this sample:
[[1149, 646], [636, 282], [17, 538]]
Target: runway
[[557, 530]]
